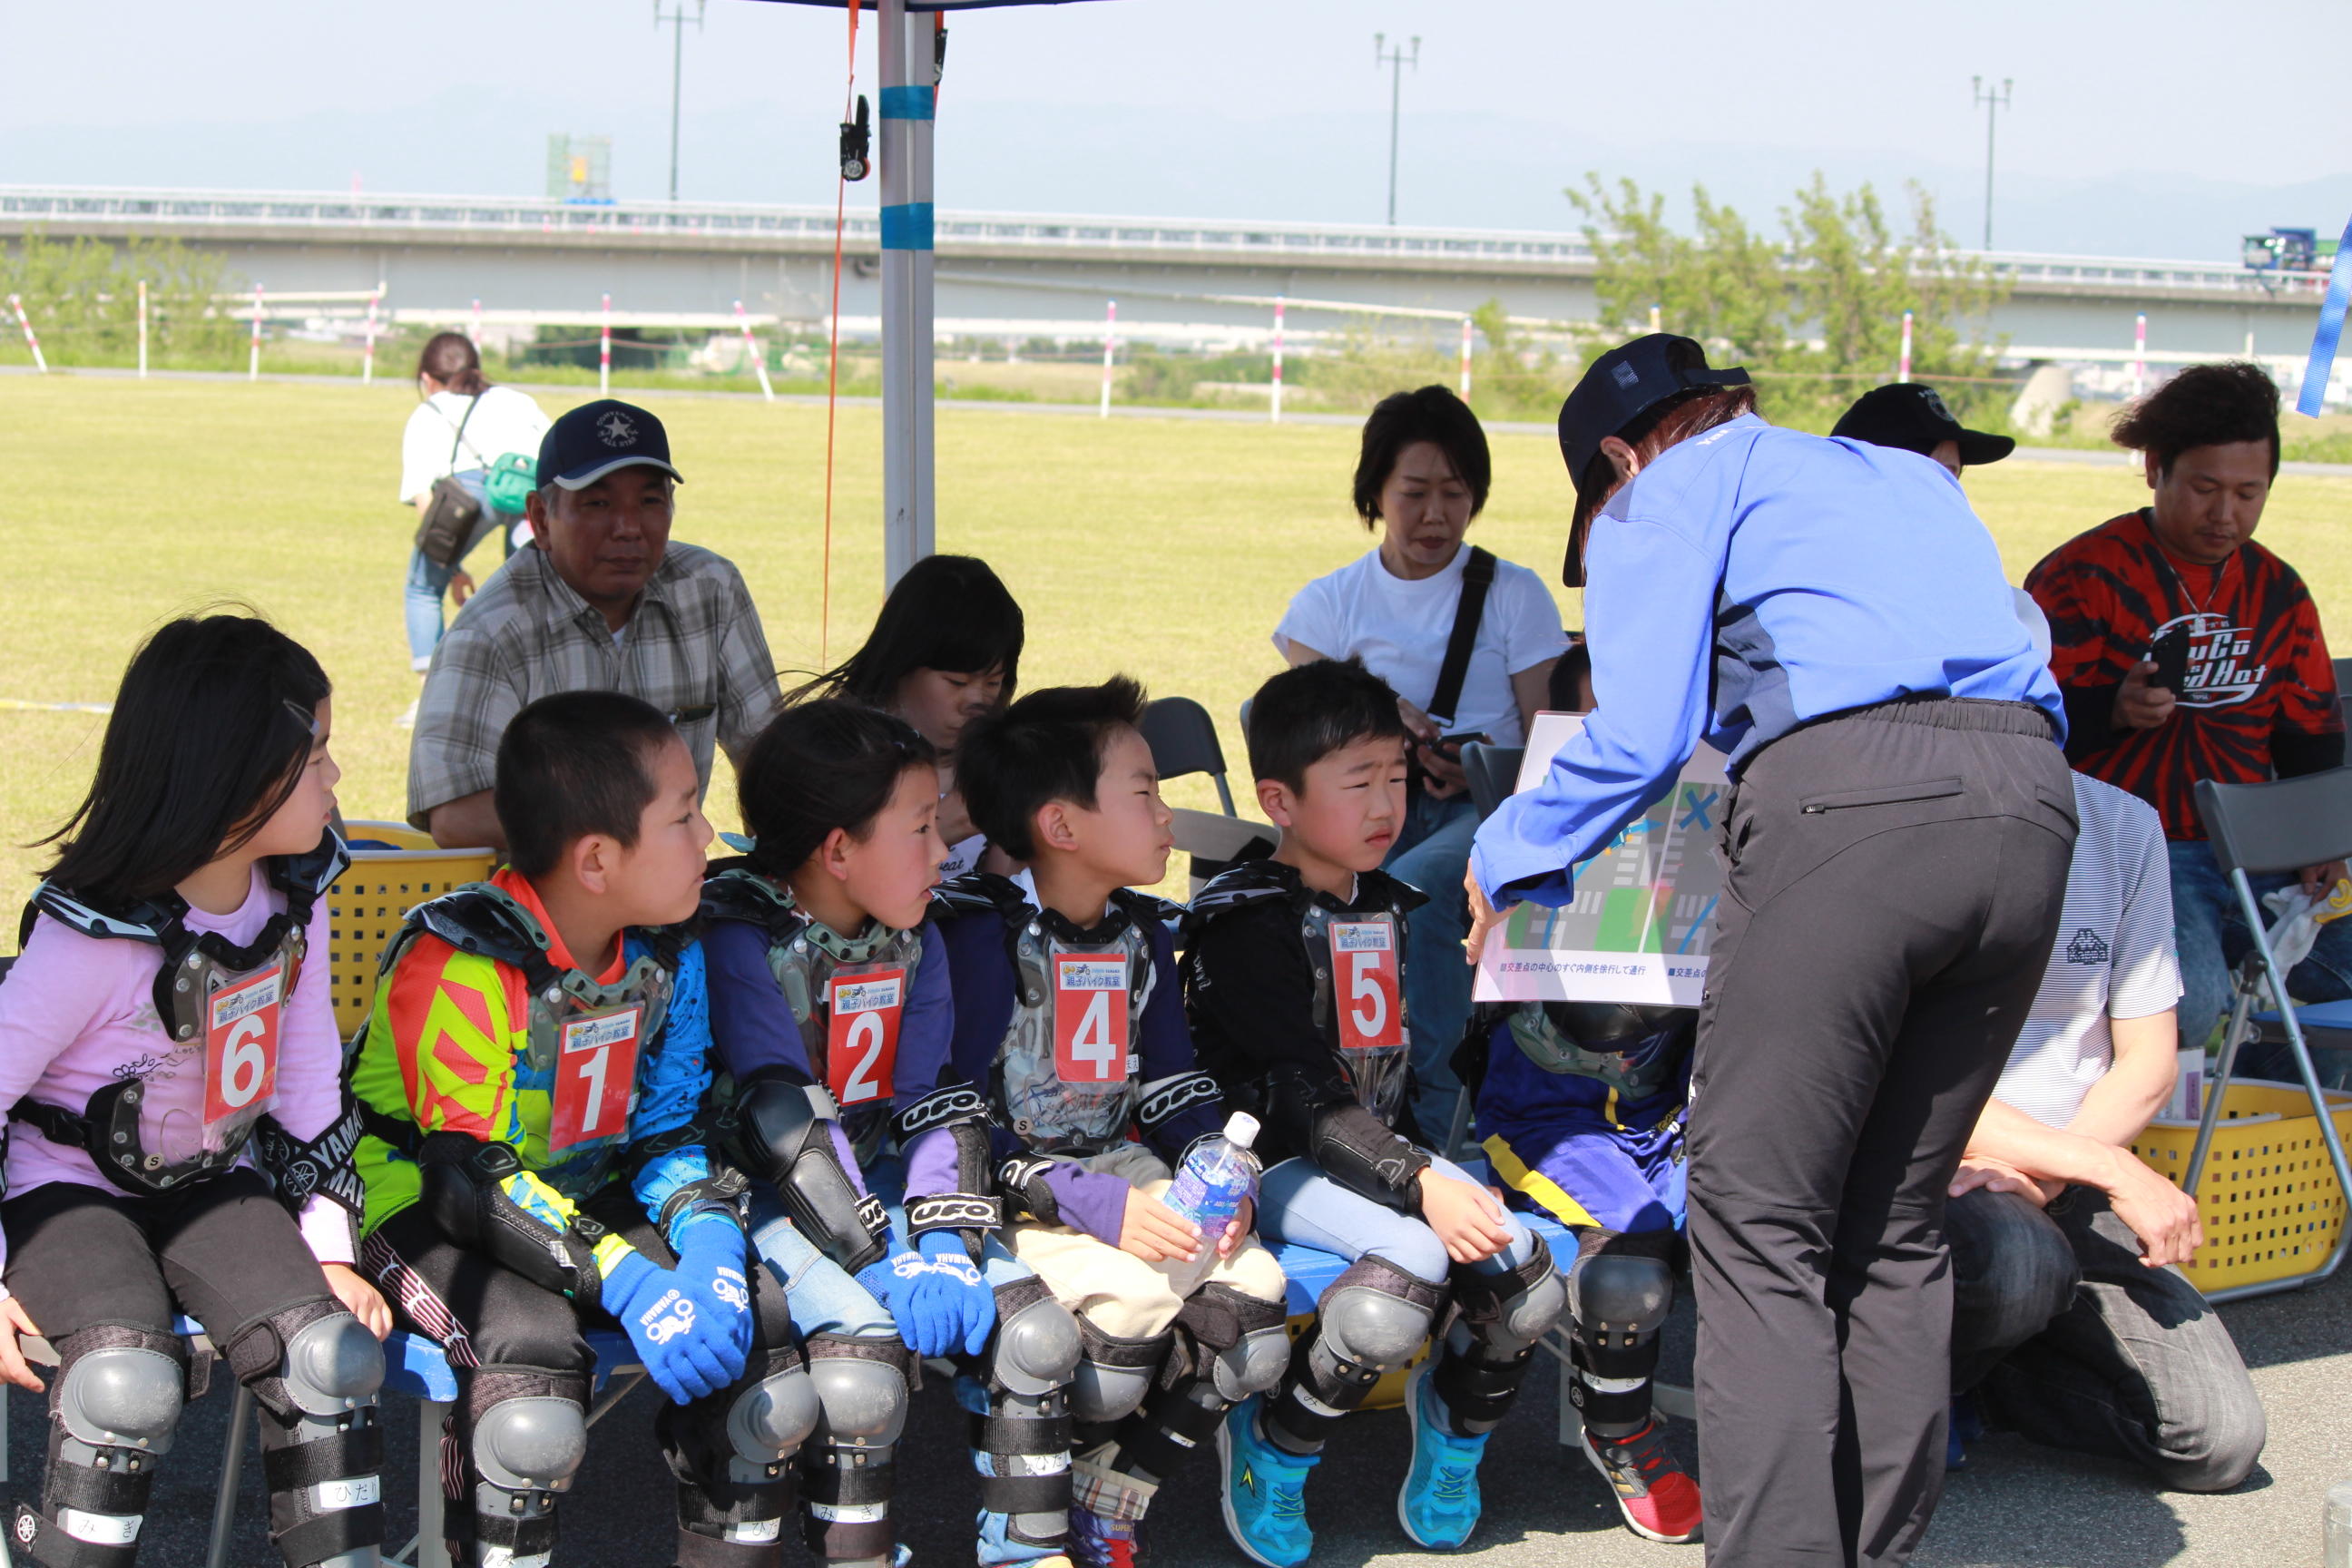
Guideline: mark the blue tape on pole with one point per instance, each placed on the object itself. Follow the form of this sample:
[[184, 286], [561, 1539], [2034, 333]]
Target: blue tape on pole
[[2331, 329], [909, 103], [906, 226]]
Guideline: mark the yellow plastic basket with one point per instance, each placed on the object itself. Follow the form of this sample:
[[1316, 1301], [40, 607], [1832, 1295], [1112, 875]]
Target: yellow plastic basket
[[2268, 1199], [368, 902]]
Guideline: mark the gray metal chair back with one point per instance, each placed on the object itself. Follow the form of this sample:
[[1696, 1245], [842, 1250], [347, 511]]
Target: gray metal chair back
[[2343, 675], [2283, 826], [1494, 774], [1183, 740]]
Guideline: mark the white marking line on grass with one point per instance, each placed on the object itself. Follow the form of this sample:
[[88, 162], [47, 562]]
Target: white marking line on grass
[[19, 705]]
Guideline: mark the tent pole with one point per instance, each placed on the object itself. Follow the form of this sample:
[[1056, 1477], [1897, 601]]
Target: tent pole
[[922, 55], [906, 244]]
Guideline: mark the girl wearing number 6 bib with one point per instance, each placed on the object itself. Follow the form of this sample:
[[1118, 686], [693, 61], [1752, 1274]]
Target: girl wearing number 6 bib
[[178, 1141], [876, 1200]]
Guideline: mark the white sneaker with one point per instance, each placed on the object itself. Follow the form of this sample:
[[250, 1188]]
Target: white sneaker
[[407, 720]]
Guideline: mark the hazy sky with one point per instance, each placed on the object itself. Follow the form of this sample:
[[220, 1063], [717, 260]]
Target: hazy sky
[[2138, 126]]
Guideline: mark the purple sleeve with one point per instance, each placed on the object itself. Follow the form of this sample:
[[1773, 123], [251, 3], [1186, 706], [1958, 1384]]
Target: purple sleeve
[[932, 1165], [750, 1022], [848, 1157], [1094, 1201]]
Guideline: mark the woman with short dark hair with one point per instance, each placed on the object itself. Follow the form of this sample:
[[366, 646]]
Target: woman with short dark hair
[[1422, 477]]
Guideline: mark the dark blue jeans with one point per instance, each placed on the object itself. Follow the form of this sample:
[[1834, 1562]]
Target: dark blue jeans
[[1432, 853], [2209, 931]]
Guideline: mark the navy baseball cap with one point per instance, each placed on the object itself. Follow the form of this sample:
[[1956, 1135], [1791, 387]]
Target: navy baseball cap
[[595, 438], [1906, 415], [1617, 389]]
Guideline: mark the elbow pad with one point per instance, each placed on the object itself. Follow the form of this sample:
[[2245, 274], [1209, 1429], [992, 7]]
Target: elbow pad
[[785, 1133], [1356, 1150], [971, 1209], [480, 1197]]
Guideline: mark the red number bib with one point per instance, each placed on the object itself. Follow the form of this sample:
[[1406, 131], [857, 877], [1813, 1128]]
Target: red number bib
[[596, 1072], [241, 1029], [861, 1033], [1090, 1019], [1364, 973]]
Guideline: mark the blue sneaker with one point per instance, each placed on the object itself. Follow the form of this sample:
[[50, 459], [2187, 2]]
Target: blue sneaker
[[1438, 1505], [1264, 1491]]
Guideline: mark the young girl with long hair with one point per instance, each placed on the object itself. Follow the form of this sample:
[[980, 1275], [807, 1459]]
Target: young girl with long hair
[[163, 1043], [876, 1199]]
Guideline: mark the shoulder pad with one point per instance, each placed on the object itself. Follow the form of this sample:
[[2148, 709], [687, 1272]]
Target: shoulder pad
[[976, 891], [736, 892], [667, 945], [1249, 882], [145, 921], [480, 917], [1147, 908], [1382, 888], [310, 874]]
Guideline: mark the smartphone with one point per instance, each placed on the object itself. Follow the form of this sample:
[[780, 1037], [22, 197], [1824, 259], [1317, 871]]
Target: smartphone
[[1450, 746], [2170, 653]]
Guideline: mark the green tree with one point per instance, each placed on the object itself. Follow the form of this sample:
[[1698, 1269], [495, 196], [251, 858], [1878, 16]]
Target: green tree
[[83, 298]]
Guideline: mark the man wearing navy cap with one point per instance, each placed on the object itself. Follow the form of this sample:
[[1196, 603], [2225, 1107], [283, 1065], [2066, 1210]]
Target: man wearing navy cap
[[602, 601], [1831, 616]]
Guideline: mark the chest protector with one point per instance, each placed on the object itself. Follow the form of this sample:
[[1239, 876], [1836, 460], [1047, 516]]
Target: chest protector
[[848, 995], [585, 1040], [1636, 1049], [1069, 1075], [223, 1009]]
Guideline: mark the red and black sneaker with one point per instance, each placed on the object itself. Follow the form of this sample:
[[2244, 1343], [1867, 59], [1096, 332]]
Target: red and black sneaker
[[1658, 1499]]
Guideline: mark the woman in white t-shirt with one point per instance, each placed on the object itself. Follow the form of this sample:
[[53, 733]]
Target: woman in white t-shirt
[[1422, 477], [495, 420]]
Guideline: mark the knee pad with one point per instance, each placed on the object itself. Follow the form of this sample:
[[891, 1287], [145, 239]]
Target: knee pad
[[535, 1443], [524, 1432], [1506, 1313], [113, 1406], [767, 1418], [1037, 1344], [1023, 1444], [314, 1371], [1621, 1301], [1369, 1320], [861, 1390], [727, 1452], [1239, 1338], [1113, 1375]]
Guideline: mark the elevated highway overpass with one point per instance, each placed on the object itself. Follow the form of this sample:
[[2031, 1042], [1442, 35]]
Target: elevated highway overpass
[[1016, 275]]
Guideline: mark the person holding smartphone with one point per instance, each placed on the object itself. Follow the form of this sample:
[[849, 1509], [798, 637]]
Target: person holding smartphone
[[2186, 651], [1421, 478]]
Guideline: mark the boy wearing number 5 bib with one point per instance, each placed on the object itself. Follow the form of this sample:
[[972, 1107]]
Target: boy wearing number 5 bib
[[530, 1082], [875, 1197], [1293, 981], [1067, 1009]]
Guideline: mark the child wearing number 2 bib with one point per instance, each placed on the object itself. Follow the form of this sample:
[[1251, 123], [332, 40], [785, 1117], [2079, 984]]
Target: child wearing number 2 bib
[[875, 1197], [1067, 1010], [1294, 980], [178, 1141]]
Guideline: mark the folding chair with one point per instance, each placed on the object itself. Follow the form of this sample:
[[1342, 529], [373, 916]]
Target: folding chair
[[1183, 740], [2261, 828], [1215, 842], [1494, 774]]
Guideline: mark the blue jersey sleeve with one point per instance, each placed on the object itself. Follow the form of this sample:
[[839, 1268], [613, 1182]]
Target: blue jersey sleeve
[[927, 1031], [750, 1023], [672, 1081]]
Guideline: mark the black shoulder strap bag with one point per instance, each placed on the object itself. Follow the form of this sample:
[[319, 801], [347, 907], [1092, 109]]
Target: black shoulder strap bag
[[453, 518], [1478, 576]]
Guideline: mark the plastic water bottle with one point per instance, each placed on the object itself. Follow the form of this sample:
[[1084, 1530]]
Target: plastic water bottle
[[1217, 1177]]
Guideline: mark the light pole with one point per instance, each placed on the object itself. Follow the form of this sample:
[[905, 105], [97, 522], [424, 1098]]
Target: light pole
[[676, 16], [1396, 61], [1992, 104]]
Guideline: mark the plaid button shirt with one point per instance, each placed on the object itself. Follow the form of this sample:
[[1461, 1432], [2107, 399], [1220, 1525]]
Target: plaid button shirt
[[693, 648]]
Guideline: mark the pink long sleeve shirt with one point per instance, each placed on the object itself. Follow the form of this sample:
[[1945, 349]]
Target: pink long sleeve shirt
[[78, 1011]]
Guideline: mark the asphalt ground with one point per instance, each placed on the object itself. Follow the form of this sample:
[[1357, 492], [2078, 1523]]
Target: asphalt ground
[[2015, 1503]]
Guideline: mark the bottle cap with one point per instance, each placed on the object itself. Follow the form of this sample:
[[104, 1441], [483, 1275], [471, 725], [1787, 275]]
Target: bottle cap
[[1241, 1128]]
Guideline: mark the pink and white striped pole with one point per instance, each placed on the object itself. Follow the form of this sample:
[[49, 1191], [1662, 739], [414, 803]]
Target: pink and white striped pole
[[2139, 355], [31, 342], [752, 348], [475, 335], [1903, 368], [1277, 414], [1466, 359], [605, 354], [1110, 339], [367, 359], [143, 329], [253, 357]]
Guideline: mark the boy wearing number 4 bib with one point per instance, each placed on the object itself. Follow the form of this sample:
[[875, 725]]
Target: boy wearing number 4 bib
[[1067, 1009], [1293, 981], [530, 1082]]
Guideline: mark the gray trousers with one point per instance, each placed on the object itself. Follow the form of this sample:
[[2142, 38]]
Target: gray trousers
[[1895, 880], [2068, 1338]]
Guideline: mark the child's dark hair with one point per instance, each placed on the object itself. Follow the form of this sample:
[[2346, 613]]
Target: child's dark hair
[[211, 730], [1048, 746], [572, 764], [1564, 691], [948, 612], [1311, 710], [2204, 405], [821, 765], [1434, 414]]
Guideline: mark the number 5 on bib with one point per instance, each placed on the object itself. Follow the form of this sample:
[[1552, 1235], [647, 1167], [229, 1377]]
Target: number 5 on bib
[[1091, 1020], [1365, 965], [241, 1024], [861, 1033]]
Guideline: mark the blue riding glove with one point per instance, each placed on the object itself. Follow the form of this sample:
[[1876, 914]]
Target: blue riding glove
[[936, 1293], [682, 1351], [710, 1265]]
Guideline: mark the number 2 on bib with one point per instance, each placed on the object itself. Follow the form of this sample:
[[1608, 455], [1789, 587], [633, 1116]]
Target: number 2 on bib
[[861, 1033], [1364, 962], [241, 1024], [1091, 1020]]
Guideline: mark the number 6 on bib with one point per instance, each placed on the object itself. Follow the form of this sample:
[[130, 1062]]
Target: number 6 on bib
[[241, 1024], [1091, 1020]]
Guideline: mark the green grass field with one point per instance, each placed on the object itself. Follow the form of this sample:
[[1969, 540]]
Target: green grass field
[[1166, 548]]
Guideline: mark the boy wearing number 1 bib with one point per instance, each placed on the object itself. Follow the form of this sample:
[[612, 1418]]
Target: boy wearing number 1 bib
[[1067, 1010], [875, 1197], [1293, 978], [531, 1082]]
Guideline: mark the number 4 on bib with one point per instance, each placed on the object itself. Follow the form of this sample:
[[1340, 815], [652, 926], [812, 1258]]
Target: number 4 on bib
[[1091, 1020], [1365, 962]]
